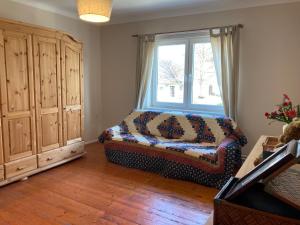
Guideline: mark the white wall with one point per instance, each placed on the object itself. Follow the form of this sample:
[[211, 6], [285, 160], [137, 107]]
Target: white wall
[[270, 55], [270, 59], [89, 35]]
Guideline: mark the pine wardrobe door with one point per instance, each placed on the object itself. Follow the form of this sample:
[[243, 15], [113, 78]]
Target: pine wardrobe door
[[47, 92], [72, 91], [17, 95], [2, 72]]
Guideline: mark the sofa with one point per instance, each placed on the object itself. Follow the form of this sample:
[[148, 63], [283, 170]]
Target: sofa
[[205, 150]]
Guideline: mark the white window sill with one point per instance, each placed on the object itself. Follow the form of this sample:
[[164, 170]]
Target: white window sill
[[188, 111]]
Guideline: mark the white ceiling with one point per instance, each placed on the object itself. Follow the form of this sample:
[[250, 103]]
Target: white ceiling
[[135, 10]]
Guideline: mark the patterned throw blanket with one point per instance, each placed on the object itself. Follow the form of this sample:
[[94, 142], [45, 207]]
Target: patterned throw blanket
[[180, 146], [192, 135]]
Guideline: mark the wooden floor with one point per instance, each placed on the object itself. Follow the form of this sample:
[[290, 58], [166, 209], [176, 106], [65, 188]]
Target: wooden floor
[[92, 191]]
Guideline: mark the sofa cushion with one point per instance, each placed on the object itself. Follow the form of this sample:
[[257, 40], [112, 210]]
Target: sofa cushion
[[205, 151], [187, 127], [171, 128]]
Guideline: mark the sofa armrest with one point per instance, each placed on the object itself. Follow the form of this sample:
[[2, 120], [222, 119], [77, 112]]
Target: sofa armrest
[[232, 150], [106, 135], [109, 133]]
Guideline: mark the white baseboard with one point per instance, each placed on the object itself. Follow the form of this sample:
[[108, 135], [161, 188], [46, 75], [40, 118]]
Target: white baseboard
[[91, 141]]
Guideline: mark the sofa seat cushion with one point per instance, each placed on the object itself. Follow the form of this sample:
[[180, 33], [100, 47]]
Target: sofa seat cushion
[[205, 151], [208, 162]]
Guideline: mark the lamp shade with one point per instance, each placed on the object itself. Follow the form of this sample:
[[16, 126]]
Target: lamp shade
[[97, 11]]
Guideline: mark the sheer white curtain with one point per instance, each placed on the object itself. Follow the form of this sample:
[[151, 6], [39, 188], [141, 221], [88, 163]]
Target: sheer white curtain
[[225, 44], [145, 58]]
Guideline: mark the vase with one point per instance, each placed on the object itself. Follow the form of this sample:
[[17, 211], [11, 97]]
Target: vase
[[284, 127]]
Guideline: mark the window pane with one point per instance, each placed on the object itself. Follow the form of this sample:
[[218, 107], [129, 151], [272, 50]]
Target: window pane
[[170, 79], [205, 86]]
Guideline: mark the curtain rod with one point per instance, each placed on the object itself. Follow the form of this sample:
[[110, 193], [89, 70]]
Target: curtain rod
[[182, 31]]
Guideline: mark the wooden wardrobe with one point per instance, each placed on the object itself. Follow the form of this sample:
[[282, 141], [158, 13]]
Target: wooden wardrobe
[[41, 86]]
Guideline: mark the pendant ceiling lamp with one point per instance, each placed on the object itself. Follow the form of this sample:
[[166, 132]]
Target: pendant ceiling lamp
[[96, 11]]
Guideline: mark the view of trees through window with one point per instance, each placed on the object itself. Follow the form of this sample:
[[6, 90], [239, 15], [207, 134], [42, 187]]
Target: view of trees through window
[[205, 85], [171, 60], [172, 80]]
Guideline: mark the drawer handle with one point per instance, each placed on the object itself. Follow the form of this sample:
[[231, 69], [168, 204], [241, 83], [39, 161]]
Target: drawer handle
[[73, 151], [49, 159], [20, 168]]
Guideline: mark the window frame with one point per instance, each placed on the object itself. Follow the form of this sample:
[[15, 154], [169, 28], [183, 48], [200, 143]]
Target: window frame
[[188, 41]]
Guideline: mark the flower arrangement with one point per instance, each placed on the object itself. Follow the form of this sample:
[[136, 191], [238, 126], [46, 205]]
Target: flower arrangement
[[285, 111]]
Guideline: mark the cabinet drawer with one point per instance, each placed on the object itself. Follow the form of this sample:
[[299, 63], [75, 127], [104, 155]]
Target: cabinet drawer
[[72, 150], [18, 167], [50, 157], [1, 173], [53, 156]]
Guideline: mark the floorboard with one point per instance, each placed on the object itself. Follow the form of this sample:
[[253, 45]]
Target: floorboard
[[91, 190]]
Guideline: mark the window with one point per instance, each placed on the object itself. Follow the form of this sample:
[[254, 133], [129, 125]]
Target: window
[[184, 75]]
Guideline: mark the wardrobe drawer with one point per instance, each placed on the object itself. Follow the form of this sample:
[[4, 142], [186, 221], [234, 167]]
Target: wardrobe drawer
[[73, 149], [47, 158], [18, 167], [1, 173]]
